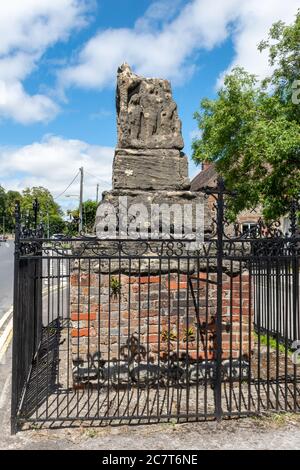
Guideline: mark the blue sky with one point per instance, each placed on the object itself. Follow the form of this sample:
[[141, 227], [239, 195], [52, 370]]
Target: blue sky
[[58, 62]]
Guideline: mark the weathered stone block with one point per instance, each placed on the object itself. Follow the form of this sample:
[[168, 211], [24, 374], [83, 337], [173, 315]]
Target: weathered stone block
[[172, 203], [150, 169]]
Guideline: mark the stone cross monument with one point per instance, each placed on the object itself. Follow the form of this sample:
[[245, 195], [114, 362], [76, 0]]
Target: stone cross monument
[[123, 306], [149, 154], [149, 166]]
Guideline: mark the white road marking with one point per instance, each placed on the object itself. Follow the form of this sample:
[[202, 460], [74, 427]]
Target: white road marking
[[4, 393], [5, 317], [6, 345], [5, 338]]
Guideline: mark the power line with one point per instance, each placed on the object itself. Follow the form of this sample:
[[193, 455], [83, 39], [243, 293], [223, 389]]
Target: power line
[[96, 177], [57, 197]]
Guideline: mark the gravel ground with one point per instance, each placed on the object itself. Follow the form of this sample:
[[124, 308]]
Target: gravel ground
[[273, 432]]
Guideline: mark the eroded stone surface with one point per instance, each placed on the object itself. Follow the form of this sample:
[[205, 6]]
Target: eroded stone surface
[[151, 169], [186, 207], [147, 115]]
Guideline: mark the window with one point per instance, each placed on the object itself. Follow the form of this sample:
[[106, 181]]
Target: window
[[249, 228]]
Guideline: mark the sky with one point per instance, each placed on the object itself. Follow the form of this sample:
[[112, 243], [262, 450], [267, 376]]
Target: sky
[[58, 64]]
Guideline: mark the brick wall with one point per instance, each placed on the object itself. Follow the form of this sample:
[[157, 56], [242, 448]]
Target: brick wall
[[170, 316]]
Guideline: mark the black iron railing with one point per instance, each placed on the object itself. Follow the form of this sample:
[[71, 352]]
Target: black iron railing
[[140, 331]]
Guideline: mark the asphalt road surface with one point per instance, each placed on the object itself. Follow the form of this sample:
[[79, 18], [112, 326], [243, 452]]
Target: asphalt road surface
[[6, 275]]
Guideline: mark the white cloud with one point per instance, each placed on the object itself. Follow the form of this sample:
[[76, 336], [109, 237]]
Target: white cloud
[[162, 50], [17, 104], [163, 45], [53, 163], [255, 19], [159, 13], [195, 134], [102, 113], [27, 29]]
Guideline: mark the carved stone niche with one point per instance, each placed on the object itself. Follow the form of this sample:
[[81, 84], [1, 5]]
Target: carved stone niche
[[146, 112]]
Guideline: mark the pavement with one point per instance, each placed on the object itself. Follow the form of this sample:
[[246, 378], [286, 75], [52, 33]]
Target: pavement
[[6, 299], [277, 432], [273, 432]]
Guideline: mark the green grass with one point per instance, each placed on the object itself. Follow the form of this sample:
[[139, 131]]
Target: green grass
[[91, 433], [272, 342]]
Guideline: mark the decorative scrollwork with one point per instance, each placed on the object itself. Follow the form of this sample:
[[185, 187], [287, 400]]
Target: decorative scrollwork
[[261, 238], [31, 248], [94, 248], [259, 230]]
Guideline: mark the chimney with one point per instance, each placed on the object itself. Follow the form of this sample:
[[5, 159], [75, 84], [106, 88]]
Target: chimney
[[206, 165]]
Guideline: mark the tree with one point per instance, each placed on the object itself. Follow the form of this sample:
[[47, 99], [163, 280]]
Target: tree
[[251, 131], [7, 209], [11, 198], [45, 198], [89, 209], [56, 224], [284, 56], [50, 213], [2, 201], [2, 207], [89, 214]]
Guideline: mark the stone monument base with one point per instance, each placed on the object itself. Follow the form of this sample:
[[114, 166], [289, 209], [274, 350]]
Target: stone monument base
[[150, 321]]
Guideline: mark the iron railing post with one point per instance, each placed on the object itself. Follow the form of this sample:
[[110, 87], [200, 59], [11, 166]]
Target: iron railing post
[[35, 207], [15, 392], [220, 222], [295, 327]]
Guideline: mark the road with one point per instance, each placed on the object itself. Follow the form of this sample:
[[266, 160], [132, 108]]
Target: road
[[6, 281], [6, 275], [55, 289]]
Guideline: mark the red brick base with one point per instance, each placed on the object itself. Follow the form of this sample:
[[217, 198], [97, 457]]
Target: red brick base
[[167, 315]]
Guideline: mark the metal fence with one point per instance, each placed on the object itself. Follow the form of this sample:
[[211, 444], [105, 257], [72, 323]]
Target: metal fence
[[142, 331], [277, 290]]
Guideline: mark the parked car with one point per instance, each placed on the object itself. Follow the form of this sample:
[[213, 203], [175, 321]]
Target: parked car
[[58, 236]]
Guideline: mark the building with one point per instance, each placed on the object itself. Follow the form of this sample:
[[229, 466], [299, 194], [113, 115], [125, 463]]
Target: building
[[207, 178]]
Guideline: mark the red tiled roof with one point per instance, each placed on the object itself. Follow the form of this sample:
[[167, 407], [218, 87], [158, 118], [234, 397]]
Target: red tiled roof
[[205, 178]]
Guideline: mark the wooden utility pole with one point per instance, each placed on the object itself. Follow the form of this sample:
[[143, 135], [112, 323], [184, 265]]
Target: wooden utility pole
[[81, 201], [97, 193]]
